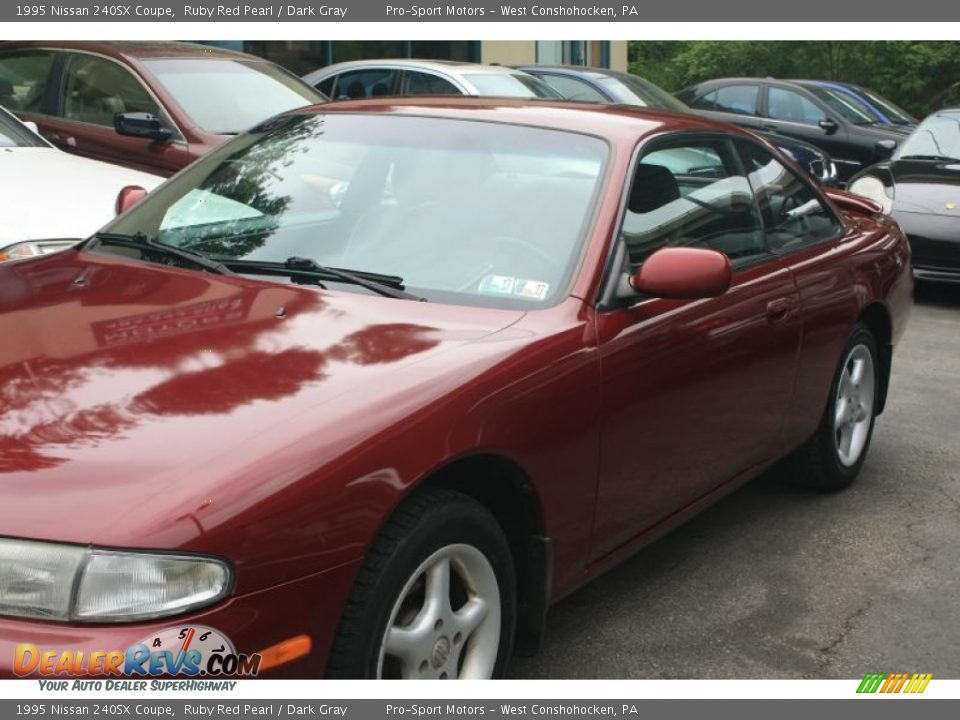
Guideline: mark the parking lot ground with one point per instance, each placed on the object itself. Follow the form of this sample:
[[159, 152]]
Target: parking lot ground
[[776, 582]]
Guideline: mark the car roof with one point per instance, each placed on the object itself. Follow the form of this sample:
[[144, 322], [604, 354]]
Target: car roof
[[439, 65], [135, 49], [617, 123], [576, 70]]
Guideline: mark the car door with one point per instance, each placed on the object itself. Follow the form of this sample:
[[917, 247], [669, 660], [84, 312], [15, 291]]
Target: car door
[[803, 231], [795, 114], [694, 392], [94, 89]]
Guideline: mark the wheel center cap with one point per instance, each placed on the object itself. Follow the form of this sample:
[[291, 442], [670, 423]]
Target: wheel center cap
[[441, 651]]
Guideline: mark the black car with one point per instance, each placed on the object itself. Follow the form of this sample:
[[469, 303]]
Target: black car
[[588, 84], [831, 120], [920, 188]]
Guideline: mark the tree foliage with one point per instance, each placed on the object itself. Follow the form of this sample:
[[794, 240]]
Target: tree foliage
[[920, 76]]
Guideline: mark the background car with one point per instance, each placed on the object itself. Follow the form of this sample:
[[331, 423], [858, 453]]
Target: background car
[[814, 114], [377, 439], [884, 110], [920, 188], [378, 78], [154, 106], [50, 199], [586, 84]]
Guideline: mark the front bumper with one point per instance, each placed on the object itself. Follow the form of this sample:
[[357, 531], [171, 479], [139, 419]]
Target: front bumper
[[935, 245], [309, 606]]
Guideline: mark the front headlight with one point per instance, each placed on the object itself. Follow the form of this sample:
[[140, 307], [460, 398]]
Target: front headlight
[[34, 248], [80, 584], [872, 189]]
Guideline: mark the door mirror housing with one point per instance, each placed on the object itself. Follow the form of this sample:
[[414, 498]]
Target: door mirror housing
[[885, 148], [829, 126], [128, 197], [141, 125], [682, 273]]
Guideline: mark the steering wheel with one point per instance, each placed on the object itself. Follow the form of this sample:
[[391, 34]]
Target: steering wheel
[[784, 217]]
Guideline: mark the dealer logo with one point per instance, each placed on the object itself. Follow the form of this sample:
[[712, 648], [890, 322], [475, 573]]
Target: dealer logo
[[186, 650], [894, 683]]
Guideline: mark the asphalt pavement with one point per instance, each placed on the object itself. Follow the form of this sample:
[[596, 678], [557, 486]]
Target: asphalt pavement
[[777, 582]]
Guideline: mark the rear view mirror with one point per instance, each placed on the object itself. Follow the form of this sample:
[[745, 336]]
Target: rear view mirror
[[683, 273], [885, 148], [128, 197], [829, 126], [141, 125]]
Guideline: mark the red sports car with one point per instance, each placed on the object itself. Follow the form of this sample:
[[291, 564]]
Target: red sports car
[[367, 388]]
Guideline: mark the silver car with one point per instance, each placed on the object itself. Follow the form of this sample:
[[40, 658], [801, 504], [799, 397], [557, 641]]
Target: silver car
[[373, 78]]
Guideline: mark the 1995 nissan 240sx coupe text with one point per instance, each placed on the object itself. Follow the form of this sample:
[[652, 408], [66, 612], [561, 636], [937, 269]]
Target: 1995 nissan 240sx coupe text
[[376, 382]]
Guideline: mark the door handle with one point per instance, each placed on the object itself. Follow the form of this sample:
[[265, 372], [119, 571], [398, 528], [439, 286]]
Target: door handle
[[770, 128], [779, 309]]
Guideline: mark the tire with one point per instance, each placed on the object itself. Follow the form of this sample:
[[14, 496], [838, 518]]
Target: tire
[[832, 458], [396, 623]]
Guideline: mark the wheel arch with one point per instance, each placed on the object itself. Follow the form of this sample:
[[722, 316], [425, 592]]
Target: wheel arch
[[877, 319], [501, 485]]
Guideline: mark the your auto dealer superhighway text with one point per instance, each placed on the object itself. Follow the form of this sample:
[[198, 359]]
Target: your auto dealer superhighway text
[[280, 10]]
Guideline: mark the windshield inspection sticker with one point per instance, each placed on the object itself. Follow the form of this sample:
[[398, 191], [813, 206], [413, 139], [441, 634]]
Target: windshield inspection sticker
[[518, 287]]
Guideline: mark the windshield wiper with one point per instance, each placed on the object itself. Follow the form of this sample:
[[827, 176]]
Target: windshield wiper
[[141, 241], [386, 285], [929, 157]]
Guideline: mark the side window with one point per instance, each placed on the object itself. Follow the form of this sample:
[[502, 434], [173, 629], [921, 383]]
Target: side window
[[573, 89], [326, 86], [23, 79], [368, 82], [420, 83], [96, 89], [792, 106], [705, 102], [692, 193], [793, 214], [740, 99]]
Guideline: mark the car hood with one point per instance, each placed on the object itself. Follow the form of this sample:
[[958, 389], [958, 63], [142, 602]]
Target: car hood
[[132, 390], [50, 194], [925, 186]]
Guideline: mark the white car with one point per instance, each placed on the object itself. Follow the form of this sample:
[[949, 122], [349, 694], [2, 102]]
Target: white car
[[50, 199], [374, 78]]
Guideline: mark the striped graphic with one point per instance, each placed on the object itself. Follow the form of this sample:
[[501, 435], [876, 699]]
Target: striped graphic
[[894, 682]]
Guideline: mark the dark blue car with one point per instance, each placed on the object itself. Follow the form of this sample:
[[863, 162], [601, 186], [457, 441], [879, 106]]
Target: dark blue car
[[589, 84], [884, 110]]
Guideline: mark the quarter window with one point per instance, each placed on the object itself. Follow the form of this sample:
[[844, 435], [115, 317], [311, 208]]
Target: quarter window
[[692, 193], [793, 214], [421, 83], [369, 82], [96, 90], [23, 80], [791, 106]]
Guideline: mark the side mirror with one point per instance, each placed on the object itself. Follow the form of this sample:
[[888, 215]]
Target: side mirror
[[885, 148], [829, 126], [683, 273], [128, 197], [141, 125]]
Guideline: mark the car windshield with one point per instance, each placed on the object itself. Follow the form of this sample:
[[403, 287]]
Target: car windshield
[[635, 90], [845, 105], [225, 96], [937, 137], [511, 85], [896, 114], [464, 212], [13, 134]]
